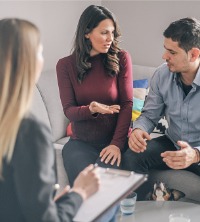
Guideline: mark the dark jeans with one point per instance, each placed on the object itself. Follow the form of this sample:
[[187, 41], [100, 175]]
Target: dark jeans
[[78, 154], [151, 159]]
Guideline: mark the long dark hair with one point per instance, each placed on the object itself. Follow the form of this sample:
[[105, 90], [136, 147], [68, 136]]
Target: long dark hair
[[90, 19]]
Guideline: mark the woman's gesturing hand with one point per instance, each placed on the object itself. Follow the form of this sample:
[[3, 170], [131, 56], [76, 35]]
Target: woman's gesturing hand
[[96, 107]]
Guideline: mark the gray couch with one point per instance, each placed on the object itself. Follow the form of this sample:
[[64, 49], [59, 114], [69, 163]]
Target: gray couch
[[47, 107]]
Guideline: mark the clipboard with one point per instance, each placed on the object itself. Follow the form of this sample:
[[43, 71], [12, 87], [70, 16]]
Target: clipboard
[[115, 185]]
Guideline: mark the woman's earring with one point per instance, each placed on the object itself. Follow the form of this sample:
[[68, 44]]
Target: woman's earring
[[87, 36]]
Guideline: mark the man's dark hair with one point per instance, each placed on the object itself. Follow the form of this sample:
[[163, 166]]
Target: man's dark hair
[[186, 32], [90, 19]]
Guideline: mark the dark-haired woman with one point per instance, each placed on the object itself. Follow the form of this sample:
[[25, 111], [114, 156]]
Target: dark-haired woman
[[95, 84]]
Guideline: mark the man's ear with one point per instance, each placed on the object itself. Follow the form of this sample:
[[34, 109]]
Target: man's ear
[[195, 54]]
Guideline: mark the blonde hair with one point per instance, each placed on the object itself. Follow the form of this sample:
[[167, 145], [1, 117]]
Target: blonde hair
[[19, 42]]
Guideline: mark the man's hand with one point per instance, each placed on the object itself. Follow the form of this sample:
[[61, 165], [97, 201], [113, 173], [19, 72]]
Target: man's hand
[[96, 107], [182, 158], [137, 140], [111, 154]]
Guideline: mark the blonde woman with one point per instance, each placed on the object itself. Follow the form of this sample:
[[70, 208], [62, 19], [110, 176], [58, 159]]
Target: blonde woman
[[27, 165]]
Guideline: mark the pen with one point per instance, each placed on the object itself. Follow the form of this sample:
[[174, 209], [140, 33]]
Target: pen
[[119, 172]]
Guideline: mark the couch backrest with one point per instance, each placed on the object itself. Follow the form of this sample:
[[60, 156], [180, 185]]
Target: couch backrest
[[47, 105], [143, 72], [39, 109]]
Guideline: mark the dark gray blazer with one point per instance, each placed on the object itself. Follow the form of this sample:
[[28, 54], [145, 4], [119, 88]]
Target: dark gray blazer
[[26, 192]]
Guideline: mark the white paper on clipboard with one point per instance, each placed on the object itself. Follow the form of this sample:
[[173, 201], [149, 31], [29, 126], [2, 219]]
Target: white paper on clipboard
[[115, 184]]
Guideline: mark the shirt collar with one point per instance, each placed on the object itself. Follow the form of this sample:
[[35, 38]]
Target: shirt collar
[[196, 79], [176, 77]]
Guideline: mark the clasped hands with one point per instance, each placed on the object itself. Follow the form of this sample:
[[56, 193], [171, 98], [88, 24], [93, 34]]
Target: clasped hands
[[179, 159]]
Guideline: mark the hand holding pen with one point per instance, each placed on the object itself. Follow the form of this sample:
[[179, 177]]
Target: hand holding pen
[[86, 184]]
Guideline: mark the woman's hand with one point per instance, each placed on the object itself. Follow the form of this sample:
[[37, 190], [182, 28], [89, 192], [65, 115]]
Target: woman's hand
[[87, 182], [63, 192], [111, 154], [96, 107]]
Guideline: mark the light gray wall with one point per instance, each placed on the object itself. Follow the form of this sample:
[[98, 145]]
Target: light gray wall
[[57, 21], [143, 22]]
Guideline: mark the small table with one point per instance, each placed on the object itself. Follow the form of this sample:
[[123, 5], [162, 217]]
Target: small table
[[159, 211]]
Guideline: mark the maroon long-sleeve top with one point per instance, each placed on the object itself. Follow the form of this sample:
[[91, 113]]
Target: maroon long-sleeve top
[[100, 87]]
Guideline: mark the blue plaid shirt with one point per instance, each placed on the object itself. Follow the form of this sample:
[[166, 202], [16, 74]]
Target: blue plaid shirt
[[167, 98]]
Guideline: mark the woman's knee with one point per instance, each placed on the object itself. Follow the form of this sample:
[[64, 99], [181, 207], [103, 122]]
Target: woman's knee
[[72, 148], [66, 151]]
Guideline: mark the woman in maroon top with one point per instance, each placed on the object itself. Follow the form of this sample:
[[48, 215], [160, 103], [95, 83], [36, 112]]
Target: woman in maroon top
[[95, 84]]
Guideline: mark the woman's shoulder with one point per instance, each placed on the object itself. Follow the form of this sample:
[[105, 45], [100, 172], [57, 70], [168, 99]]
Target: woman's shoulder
[[33, 144], [66, 60], [30, 125], [123, 52], [32, 136], [124, 57]]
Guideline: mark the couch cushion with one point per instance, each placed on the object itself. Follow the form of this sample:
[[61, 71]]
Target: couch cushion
[[69, 130], [63, 140], [139, 94], [61, 174], [140, 83], [48, 87]]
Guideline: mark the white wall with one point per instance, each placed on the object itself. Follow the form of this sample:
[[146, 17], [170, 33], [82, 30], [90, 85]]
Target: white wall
[[143, 22], [57, 21]]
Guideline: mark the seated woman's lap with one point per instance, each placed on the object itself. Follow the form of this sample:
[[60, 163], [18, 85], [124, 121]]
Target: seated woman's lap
[[77, 155]]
